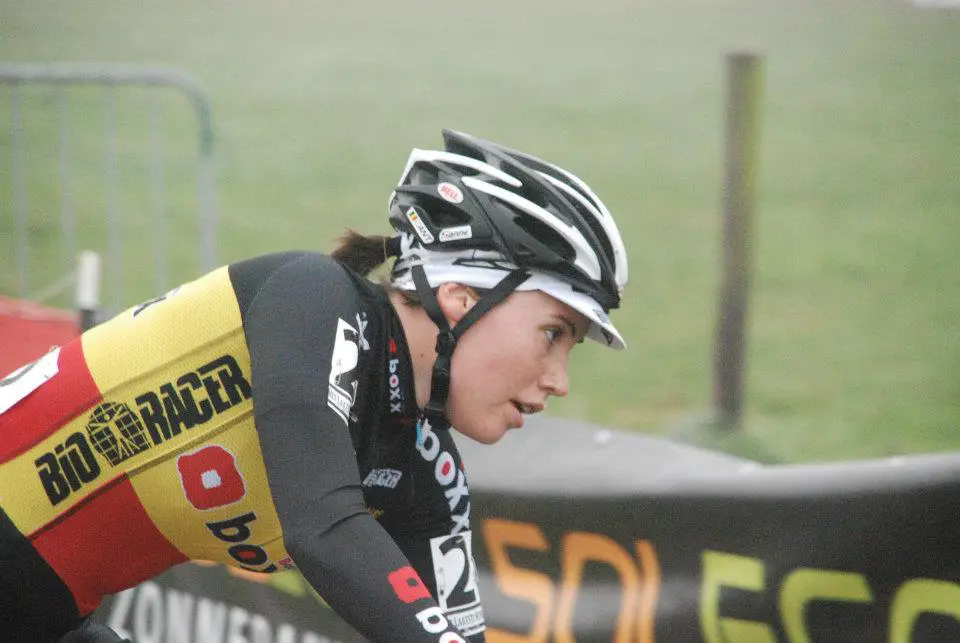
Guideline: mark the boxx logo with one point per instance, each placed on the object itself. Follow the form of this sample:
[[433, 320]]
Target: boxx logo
[[210, 477], [450, 477], [409, 588]]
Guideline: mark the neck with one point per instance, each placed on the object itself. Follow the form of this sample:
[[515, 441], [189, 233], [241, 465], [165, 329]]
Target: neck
[[421, 336]]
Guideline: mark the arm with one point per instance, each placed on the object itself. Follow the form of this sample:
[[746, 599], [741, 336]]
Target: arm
[[298, 332]]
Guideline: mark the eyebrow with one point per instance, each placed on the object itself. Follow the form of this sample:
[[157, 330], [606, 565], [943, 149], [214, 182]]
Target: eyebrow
[[573, 327]]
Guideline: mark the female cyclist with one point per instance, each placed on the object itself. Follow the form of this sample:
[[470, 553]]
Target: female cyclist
[[288, 412]]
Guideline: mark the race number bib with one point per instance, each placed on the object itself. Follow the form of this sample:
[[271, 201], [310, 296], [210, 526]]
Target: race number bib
[[456, 576]]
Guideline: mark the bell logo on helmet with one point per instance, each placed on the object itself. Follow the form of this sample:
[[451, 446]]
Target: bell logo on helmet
[[418, 225], [450, 192]]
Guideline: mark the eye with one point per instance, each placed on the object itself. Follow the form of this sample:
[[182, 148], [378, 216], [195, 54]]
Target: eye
[[553, 334]]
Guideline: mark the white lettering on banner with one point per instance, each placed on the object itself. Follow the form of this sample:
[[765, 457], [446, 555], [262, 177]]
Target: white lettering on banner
[[211, 620], [119, 611], [179, 616], [235, 624], [447, 474], [148, 614], [260, 629]]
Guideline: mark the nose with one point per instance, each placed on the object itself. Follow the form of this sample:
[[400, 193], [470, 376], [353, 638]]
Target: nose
[[555, 378]]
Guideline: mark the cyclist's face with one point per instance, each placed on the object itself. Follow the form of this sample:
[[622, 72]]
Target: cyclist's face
[[509, 362]]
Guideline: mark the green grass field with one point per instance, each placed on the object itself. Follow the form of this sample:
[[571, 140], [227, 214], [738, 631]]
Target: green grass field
[[854, 346]]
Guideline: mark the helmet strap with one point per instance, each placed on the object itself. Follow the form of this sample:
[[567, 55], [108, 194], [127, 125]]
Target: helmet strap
[[447, 337]]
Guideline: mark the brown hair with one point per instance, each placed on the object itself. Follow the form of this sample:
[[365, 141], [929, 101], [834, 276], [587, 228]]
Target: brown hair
[[361, 254], [365, 253]]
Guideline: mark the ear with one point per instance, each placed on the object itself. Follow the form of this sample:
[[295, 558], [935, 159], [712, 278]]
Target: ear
[[455, 301]]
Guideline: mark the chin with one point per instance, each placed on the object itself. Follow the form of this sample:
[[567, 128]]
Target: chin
[[489, 433]]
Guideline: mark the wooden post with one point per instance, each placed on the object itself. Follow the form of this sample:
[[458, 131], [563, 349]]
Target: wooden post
[[743, 98]]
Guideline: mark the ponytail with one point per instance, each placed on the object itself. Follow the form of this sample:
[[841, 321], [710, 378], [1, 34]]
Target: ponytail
[[365, 253], [362, 254]]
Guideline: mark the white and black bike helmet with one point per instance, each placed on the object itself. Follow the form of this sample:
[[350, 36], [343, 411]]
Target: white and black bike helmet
[[483, 215]]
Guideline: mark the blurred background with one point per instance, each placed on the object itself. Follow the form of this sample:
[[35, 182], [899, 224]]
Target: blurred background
[[853, 333]]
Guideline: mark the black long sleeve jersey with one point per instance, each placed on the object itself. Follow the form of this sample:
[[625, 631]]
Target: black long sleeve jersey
[[262, 416]]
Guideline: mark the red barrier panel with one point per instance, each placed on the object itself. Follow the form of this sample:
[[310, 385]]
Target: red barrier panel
[[28, 330]]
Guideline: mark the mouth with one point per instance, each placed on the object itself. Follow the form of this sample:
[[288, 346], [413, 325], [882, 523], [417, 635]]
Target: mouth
[[527, 409]]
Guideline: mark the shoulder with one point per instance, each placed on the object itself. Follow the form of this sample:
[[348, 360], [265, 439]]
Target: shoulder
[[292, 275], [258, 270]]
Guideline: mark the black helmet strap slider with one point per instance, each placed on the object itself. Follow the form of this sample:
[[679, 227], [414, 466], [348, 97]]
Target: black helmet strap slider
[[447, 337]]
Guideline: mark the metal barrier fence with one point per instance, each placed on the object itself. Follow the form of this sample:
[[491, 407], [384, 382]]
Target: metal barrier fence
[[59, 78]]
